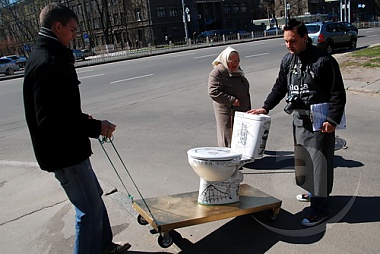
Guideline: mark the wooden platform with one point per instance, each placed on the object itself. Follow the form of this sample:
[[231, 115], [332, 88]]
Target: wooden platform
[[182, 210]]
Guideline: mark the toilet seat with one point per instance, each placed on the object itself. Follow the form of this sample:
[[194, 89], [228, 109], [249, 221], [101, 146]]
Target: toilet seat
[[214, 154]]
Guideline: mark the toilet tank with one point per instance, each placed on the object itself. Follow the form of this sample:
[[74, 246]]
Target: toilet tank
[[250, 134]]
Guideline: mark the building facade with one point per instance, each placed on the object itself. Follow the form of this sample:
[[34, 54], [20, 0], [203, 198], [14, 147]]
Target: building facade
[[121, 24]]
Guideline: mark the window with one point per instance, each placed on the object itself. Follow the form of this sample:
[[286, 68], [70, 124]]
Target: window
[[96, 23], [138, 14], [243, 7], [236, 8], [227, 8], [116, 19], [161, 12], [173, 12], [330, 28]]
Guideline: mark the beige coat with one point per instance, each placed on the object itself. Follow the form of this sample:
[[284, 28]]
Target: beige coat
[[223, 89]]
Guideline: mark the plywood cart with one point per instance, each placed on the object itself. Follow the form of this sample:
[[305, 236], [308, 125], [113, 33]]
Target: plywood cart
[[167, 213], [181, 210]]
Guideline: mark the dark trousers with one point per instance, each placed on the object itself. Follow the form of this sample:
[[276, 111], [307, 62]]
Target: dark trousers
[[319, 205]]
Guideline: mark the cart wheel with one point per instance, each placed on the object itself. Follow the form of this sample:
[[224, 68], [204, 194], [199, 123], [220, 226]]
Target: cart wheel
[[141, 220], [165, 241], [273, 213]]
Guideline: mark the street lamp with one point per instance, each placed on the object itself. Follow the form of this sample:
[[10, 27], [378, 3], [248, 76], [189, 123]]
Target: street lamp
[[287, 8], [185, 12]]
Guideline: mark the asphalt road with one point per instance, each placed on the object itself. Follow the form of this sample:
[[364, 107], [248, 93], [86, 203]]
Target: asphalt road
[[161, 108]]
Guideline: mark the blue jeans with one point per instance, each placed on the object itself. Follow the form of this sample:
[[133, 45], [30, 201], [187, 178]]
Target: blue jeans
[[93, 229]]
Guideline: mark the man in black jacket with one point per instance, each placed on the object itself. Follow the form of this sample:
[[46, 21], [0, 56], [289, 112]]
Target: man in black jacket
[[310, 76], [60, 131]]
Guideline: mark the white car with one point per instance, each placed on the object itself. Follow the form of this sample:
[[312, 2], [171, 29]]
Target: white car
[[8, 66]]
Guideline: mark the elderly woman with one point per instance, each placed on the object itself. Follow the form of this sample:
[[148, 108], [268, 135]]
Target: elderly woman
[[229, 90]]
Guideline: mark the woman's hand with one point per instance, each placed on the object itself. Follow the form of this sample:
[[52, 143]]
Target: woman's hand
[[236, 103]]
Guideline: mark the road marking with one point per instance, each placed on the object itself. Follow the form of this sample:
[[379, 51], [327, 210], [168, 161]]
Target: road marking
[[198, 57], [137, 77], [92, 76], [18, 163], [257, 43], [82, 70], [262, 54], [179, 55]]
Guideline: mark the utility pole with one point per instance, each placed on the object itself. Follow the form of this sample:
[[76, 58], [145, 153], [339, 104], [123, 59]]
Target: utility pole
[[287, 8], [184, 18]]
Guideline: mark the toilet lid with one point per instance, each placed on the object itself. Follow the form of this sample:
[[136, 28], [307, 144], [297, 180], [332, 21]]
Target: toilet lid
[[213, 153]]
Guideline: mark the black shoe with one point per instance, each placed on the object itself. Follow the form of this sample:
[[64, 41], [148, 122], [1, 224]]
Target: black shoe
[[312, 220], [119, 247]]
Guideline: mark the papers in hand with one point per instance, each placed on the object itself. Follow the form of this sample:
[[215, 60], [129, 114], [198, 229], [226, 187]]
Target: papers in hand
[[319, 114]]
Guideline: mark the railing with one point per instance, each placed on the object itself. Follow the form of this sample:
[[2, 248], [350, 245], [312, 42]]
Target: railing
[[366, 24], [192, 43], [198, 42]]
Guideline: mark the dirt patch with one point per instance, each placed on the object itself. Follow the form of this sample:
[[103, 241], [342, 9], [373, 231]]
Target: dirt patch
[[352, 69]]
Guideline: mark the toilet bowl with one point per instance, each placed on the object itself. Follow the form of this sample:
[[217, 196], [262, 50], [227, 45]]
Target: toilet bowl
[[220, 164], [214, 163]]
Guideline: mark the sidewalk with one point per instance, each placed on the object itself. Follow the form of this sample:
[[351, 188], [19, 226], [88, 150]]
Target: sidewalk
[[363, 87], [37, 217]]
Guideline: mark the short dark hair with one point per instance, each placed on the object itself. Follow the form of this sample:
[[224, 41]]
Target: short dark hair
[[56, 12], [298, 25]]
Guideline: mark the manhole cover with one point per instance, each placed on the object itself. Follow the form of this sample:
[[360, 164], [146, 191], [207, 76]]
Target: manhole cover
[[339, 143]]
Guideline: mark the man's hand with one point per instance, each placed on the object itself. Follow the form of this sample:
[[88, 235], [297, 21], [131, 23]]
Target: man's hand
[[107, 129], [327, 127], [257, 111]]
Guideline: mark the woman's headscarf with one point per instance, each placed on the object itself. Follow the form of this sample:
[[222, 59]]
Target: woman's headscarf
[[223, 58]]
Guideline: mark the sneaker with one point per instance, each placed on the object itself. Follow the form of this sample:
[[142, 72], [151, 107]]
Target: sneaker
[[312, 220], [119, 247], [303, 197]]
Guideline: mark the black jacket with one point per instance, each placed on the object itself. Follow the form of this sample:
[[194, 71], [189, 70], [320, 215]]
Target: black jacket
[[325, 74], [59, 130]]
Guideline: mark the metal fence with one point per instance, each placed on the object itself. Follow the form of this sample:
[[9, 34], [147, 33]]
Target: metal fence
[[192, 43]]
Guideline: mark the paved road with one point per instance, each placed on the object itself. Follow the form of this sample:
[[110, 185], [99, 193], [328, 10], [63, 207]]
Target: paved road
[[155, 129]]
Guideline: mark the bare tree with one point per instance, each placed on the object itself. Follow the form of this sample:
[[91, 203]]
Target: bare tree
[[377, 2], [102, 6], [270, 9], [19, 23]]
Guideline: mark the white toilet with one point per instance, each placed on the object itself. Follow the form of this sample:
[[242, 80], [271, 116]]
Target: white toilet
[[218, 167]]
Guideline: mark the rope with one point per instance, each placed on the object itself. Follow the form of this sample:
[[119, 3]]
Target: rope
[[103, 140]]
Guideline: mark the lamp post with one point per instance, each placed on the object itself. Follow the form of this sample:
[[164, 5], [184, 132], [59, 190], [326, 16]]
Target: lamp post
[[185, 12], [287, 8]]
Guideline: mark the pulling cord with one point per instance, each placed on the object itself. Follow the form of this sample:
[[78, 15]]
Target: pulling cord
[[103, 140]]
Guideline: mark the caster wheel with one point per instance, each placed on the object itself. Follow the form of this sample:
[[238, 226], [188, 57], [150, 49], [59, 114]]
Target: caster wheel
[[273, 213], [141, 220], [165, 242]]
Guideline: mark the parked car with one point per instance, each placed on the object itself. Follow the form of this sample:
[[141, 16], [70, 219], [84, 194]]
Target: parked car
[[274, 31], [20, 60], [331, 35], [87, 52], [8, 66], [78, 55], [350, 26]]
